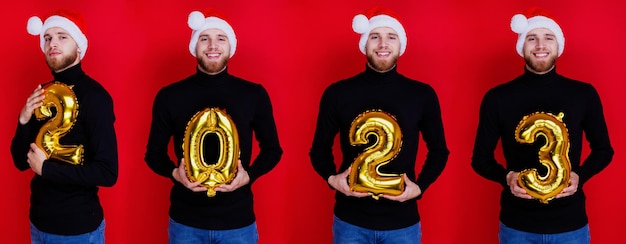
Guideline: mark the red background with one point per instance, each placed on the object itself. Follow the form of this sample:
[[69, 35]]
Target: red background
[[461, 48]]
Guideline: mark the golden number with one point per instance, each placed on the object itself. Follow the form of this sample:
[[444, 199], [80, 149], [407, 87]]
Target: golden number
[[365, 175], [63, 99], [215, 121], [553, 155]]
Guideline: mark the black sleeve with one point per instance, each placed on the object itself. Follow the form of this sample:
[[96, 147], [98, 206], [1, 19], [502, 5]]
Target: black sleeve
[[433, 135], [321, 153], [597, 135], [161, 132], [265, 132], [487, 136]]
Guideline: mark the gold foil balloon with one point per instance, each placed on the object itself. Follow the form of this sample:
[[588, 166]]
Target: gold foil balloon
[[60, 97], [365, 175], [553, 155], [211, 121]]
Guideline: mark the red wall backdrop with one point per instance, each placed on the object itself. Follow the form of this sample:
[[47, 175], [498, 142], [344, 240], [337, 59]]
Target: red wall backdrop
[[461, 48]]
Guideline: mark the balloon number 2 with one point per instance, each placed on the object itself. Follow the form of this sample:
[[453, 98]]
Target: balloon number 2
[[60, 97], [211, 121], [365, 175], [553, 155]]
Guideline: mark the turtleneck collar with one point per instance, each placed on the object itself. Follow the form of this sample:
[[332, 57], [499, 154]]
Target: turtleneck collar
[[533, 78], [217, 76], [376, 76], [70, 75]]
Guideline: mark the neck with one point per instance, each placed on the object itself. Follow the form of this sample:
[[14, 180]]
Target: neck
[[210, 73], [380, 71], [539, 73], [67, 67]]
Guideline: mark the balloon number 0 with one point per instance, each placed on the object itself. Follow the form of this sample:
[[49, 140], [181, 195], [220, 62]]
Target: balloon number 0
[[365, 175], [553, 155], [63, 99], [216, 121]]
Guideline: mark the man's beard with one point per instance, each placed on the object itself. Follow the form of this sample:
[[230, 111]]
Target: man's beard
[[382, 65], [65, 61], [540, 67], [212, 67]]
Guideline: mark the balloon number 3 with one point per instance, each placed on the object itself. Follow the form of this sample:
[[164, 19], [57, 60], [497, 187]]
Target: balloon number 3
[[553, 155], [365, 175], [215, 121], [60, 97]]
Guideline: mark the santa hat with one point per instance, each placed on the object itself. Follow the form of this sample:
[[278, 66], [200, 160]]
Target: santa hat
[[377, 17], [70, 21], [535, 18], [209, 18]]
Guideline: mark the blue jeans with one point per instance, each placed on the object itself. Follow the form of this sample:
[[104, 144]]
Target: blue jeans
[[512, 236], [345, 233], [182, 234], [40, 237]]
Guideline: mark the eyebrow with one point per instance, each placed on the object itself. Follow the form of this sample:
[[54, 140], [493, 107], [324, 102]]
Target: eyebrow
[[219, 35], [379, 33], [535, 35], [58, 33]]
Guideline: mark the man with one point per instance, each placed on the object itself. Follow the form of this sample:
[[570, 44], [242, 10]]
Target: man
[[541, 89], [364, 216], [228, 216], [64, 195]]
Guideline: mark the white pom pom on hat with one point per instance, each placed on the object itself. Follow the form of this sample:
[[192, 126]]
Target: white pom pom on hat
[[360, 24], [34, 25], [210, 18], [195, 20], [519, 22], [378, 17], [533, 18], [69, 20]]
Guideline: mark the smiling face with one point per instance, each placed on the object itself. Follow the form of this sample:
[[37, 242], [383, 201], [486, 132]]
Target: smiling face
[[212, 51], [540, 50], [382, 48], [60, 49]]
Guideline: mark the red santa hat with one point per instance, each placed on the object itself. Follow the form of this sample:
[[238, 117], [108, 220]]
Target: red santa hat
[[534, 18], [71, 21], [377, 17], [209, 18]]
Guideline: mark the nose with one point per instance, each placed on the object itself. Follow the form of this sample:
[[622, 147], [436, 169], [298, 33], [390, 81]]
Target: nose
[[383, 42], [54, 42], [212, 43], [541, 43]]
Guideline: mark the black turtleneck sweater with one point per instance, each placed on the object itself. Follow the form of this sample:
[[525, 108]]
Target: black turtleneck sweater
[[416, 109], [64, 199], [248, 104], [503, 107]]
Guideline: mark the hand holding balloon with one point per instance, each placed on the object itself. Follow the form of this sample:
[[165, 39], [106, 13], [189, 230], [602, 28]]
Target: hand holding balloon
[[241, 179], [339, 182], [36, 157], [180, 175], [411, 191], [34, 101], [516, 190], [572, 188]]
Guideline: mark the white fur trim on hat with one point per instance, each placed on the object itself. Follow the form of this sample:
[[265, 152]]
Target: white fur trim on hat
[[363, 26], [521, 25], [198, 23], [35, 27]]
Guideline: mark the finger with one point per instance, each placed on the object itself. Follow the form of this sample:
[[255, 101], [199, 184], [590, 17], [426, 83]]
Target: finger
[[199, 189]]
